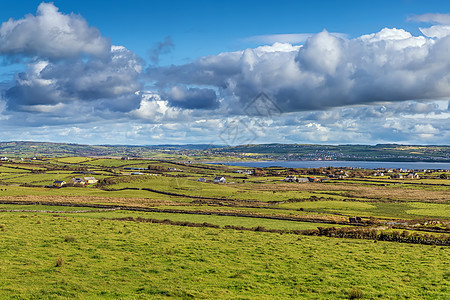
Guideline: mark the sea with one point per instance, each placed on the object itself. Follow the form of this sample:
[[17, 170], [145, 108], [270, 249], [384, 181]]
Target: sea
[[333, 163]]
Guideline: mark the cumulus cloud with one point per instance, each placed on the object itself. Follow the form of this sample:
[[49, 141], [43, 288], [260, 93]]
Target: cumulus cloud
[[112, 83], [437, 31], [425, 131], [51, 35], [67, 62], [153, 109], [327, 71], [291, 38]]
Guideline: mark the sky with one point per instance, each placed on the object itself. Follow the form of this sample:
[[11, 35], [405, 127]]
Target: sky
[[234, 72]]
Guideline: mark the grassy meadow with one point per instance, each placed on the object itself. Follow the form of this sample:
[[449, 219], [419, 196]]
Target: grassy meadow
[[60, 257]]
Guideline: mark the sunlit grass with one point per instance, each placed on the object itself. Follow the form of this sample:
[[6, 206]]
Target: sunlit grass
[[72, 257]]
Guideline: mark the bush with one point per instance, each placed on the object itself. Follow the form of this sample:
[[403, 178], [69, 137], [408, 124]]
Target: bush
[[69, 239], [355, 293], [59, 262]]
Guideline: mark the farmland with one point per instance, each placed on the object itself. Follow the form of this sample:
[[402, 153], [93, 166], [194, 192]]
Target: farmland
[[161, 233]]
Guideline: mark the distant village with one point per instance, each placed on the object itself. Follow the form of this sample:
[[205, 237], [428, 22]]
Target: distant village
[[291, 175]]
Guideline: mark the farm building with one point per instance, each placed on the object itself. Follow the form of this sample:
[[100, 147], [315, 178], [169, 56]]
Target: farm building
[[90, 180], [400, 176], [246, 172], [300, 179], [290, 178], [219, 179], [78, 181], [314, 179], [201, 179], [59, 183], [413, 176]]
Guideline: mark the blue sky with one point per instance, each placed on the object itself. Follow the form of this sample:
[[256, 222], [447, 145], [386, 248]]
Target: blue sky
[[200, 28], [155, 72]]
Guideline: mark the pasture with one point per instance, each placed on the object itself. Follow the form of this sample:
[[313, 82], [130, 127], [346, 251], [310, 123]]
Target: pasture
[[61, 257]]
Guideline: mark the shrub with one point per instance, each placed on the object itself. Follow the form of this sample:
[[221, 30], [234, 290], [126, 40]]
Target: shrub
[[59, 262], [69, 239], [355, 293]]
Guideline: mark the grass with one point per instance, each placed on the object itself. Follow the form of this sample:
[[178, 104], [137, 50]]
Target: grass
[[118, 163], [71, 160], [405, 210], [43, 207], [140, 260], [194, 218], [6, 169], [216, 220], [429, 210]]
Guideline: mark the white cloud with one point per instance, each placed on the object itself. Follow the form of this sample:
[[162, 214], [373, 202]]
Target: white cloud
[[155, 110], [425, 131], [51, 35], [425, 128], [431, 18], [291, 38], [387, 66], [437, 31]]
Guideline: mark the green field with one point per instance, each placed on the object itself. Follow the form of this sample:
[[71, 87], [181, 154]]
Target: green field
[[49, 257]]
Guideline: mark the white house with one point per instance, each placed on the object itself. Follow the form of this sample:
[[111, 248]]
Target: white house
[[413, 176], [78, 181], [90, 180], [290, 178], [219, 179]]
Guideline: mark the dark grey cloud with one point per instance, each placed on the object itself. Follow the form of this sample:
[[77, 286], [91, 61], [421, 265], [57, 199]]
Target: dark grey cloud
[[209, 70], [192, 98], [161, 48], [51, 35]]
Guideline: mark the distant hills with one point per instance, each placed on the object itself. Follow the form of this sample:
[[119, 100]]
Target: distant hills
[[31, 149], [381, 152]]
